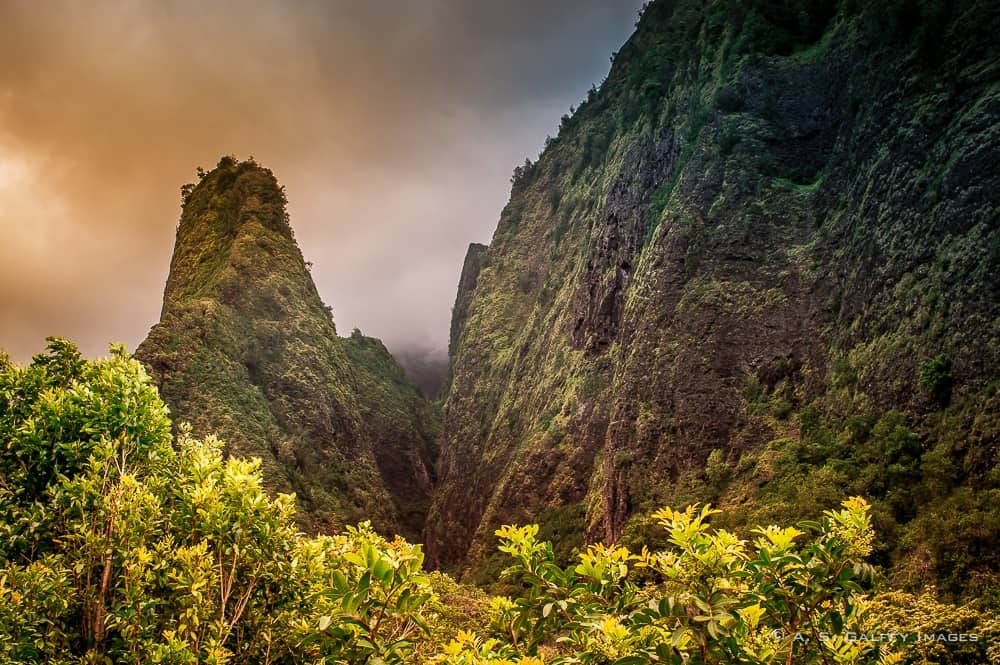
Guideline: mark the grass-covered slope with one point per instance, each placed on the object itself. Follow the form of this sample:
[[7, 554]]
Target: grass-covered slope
[[246, 348], [757, 266]]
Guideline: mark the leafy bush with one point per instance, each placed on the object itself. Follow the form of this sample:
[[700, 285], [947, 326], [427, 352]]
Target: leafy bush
[[522, 174], [124, 546], [728, 100], [935, 378], [789, 598], [937, 632]]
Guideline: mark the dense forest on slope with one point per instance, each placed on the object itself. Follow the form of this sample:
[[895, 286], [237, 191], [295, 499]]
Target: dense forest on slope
[[757, 266], [246, 349]]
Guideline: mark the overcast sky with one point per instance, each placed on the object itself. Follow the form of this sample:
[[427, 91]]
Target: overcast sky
[[393, 124]]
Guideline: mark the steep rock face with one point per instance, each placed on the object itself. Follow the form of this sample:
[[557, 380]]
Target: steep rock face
[[727, 279], [246, 349], [393, 414], [475, 257]]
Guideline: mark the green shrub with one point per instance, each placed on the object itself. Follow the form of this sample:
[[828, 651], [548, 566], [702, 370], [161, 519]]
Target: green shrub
[[132, 547], [935, 378], [729, 139], [717, 469], [721, 601], [728, 100]]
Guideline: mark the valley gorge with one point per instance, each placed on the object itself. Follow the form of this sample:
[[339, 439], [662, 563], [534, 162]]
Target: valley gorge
[[718, 385], [756, 267]]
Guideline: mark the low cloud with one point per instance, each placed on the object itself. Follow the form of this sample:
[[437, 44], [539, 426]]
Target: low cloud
[[393, 125]]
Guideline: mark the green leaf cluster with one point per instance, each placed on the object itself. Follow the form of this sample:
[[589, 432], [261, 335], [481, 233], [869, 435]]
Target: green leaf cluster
[[790, 596]]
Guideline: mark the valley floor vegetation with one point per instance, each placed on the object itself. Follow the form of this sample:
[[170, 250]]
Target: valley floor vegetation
[[124, 541]]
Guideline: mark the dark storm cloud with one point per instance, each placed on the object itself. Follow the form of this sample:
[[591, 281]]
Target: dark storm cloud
[[393, 125]]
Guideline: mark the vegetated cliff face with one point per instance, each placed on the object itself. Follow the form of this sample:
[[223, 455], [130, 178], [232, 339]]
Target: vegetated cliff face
[[475, 257], [246, 349], [757, 267]]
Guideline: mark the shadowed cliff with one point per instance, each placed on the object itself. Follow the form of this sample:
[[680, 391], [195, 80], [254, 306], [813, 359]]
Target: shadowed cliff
[[756, 267]]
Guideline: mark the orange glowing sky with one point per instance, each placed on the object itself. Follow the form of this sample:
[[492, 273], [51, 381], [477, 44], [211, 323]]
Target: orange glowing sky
[[394, 126]]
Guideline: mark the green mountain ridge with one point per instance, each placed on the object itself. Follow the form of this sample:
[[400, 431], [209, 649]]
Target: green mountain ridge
[[756, 267], [246, 349]]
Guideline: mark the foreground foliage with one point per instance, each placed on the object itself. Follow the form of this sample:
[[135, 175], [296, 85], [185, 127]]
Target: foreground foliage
[[719, 601], [120, 546], [122, 543]]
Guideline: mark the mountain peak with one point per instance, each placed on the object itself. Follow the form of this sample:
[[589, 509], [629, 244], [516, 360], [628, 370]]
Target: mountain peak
[[231, 195], [245, 347], [235, 244]]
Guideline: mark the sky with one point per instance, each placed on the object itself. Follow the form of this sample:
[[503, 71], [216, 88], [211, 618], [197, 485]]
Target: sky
[[394, 126]]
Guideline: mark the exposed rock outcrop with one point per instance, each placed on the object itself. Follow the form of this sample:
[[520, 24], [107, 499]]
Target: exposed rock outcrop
[[475, 257]]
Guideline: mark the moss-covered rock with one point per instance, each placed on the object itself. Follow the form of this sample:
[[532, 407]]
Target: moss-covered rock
[[765, 207], [245, 348]]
